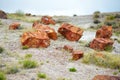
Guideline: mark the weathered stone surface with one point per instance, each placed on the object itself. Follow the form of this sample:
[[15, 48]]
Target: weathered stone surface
[[35, 39], [50, 31], [104, 32], [77, 54], [3, 15], [47, 20], [106, 77], [70, 32], [14, 26], [100, 43], [68, 48]]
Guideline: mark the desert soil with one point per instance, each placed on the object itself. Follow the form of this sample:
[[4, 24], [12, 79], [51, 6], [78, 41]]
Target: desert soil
[[55, 61]]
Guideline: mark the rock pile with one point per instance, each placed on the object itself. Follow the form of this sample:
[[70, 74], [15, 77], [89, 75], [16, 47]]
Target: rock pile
[[102, 39]]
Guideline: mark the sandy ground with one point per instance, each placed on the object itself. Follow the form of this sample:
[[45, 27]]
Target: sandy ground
[[56, 62]]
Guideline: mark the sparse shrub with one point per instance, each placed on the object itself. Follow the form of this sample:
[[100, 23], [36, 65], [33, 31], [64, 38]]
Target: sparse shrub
[[96, 21], [1, 49], [2, 76], [115, 73], [28, 55], [96, 14], [41, 75], [19, 13], [62, 78], [117, 16], [25, 47], [109, 48], [29, 64], [72, 69], [0, 22], [74, 15], [12, 70], [104, 60], [110, 17]]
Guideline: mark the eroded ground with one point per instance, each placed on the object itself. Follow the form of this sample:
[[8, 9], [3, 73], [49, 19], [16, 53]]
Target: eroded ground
[[53, 61]]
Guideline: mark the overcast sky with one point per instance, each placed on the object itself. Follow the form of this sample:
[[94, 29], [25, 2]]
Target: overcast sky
[[60, 7]]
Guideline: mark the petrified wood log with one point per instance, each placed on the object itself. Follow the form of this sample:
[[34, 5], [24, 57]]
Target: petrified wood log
[[50, 31], [47, 20], [101, 43], [35, 39], [104, 32], [70, 32], [14, 26]]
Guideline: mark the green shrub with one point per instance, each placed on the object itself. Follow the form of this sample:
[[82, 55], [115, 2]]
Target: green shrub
[[96, 21], [12, 70], [96, 14], [0, 22], [117, 16], [115, 73], [105, 60], [1, 49], [28, 55], [29, 64], [110, 17], [72, 69], [19, 13], [109, 48], [25, 47], [2, 76], [41, 75]]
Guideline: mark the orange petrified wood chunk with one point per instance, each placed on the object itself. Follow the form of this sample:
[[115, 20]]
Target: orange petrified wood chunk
[[35, 39], [68, 48], [14, 26], [100, 43], [104, 32], [47, 20], [50, 31], [70, 32], [77, 54], [106, 77]]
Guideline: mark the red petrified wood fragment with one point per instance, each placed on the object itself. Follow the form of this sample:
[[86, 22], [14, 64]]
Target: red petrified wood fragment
[[70, 32], [77, 54], [68, 48], [50, 31], [47, 20], [100, 43], [104, 32], [35, 39], [106, 77], [14, 26]]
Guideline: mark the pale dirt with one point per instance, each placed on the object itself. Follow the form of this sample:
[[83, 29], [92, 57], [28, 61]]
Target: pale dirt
[[56, 62]]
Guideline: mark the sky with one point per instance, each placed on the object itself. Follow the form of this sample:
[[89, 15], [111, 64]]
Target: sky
[[60, 7]]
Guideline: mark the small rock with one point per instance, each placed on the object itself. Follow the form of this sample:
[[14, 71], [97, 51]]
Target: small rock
[[14, 26], [77, 54], [68, 48]]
